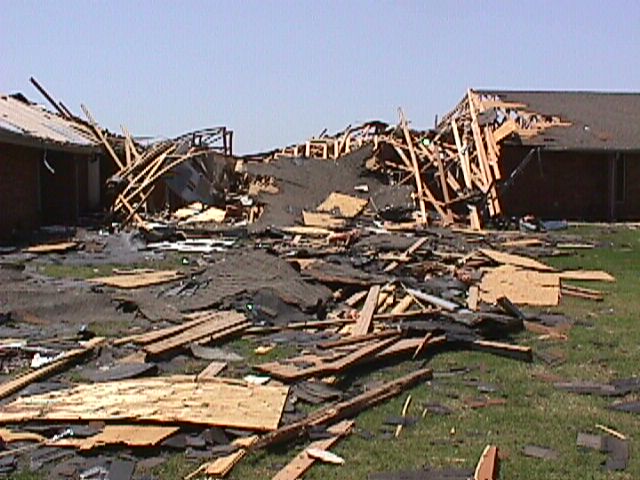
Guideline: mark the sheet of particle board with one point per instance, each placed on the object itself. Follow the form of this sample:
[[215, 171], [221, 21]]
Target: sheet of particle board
[[139, 280], [168, 400], [322, 220], [515, 260], [522, 287], [347, 205], [130, 435]]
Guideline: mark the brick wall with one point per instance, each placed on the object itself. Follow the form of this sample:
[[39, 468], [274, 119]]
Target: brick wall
[[18, 188], [563, 185]]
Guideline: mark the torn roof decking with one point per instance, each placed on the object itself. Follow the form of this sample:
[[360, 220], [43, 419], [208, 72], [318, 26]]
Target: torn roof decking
[[599, 121], [31, 125]]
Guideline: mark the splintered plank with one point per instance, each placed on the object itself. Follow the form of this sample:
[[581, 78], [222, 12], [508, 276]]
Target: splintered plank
[[139, 280], [587, 275], [155, 335], [130, 435], [17, 384], [303, 462], [168, 400], [52, 247], [515, 260], [291, 372], [348, 206], [348, 408], [221, 466], [223, 324], [211, 371], [488, 465], [366, 315]]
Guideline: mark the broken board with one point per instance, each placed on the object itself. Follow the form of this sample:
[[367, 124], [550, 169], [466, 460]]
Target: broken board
[[168, 400], [348, 206], [139, 280]]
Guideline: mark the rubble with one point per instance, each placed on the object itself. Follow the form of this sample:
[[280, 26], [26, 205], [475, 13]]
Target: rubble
[[346, 253]]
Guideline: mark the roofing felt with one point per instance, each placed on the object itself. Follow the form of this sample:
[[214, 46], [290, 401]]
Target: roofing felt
[[599, 120], [29, 123]]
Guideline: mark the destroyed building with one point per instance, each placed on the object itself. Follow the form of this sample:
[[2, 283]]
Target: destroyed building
[[50, 167], [585, 168]]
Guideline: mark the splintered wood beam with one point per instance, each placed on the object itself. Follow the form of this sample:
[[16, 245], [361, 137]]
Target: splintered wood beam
[[366, 315], [334, 412], [443, 184], [464, 159], [493, 153], [101, 137], [487, 178], [416, 167]]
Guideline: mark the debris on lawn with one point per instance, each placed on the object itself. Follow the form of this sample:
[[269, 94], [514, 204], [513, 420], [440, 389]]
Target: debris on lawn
[[277, 280]]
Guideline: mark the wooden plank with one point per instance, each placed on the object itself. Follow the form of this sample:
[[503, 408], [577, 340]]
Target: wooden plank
[[587, 275], [302, 462], [462, 157], [347, 205], [515, 260], [12, 386], [366, 315], [139, 280], [221, 466], [292, 372], [168, 400], [224, 324], [211, 371], [409, 251], [504, 130], [59, 247], [345, 409], [517, 352], [155, 335], [101, 136], [488, 465], [403, 305], [416, 167], [358, 339]]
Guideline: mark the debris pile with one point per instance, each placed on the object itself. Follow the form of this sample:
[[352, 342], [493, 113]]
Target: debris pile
[[316, 314]]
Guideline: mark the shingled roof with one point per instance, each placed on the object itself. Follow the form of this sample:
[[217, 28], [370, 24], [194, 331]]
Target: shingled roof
[[599, 120], [26, 123]]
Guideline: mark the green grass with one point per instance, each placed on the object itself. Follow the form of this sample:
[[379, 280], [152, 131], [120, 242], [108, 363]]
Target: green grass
[[535, 413]]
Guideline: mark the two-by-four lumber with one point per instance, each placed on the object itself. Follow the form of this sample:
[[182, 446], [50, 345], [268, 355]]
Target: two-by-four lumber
[[366, 315], [302, 462], [223, 324], [17, 384], [293, 373], [409, 251], [345, 409]]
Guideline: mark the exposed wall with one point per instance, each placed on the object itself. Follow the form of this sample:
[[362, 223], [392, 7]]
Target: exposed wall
[[561, 185], [18, 189], [629, 209]]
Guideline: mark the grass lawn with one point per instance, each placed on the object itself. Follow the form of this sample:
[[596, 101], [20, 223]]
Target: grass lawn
[[604, 345]]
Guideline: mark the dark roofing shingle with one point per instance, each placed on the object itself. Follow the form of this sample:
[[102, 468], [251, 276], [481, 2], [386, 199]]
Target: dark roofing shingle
[[599, 120]]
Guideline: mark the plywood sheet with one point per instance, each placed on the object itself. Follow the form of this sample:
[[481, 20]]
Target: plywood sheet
[[348, 206], [168, 400], [522, 287], [212, 214], [139, 280], [130, 435], [323, 220], [515, 260]]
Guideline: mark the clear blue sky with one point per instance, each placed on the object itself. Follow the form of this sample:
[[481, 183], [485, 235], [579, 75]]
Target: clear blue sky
[[277, 72]]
